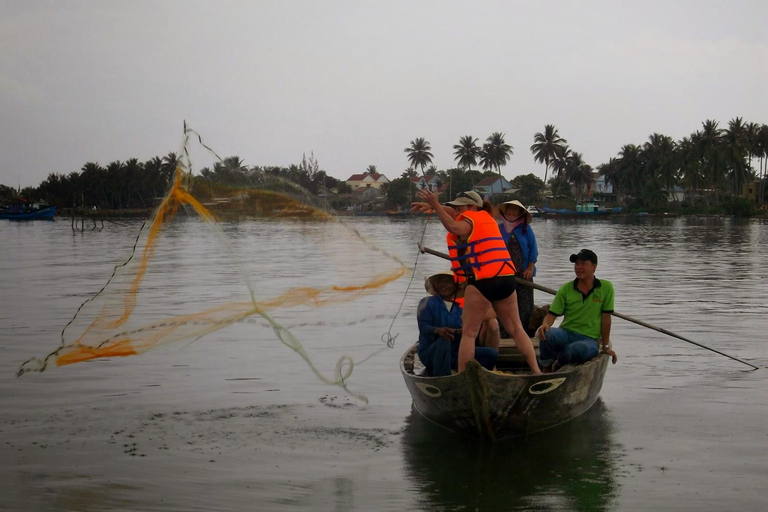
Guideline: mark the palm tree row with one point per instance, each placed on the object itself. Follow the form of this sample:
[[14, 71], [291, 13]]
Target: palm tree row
[[133, 184], [712, 164], [494, 154], [130, 184]]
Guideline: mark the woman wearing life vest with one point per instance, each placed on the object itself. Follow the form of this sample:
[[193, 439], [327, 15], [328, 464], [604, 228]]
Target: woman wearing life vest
[[478, 253]]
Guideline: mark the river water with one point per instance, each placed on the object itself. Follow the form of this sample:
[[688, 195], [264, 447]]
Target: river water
[[222, 423]]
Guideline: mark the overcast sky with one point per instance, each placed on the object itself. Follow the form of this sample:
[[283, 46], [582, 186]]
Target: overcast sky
[[356, 81]]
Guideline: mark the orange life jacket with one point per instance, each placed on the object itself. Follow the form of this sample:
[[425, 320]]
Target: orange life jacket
[[484, 254]]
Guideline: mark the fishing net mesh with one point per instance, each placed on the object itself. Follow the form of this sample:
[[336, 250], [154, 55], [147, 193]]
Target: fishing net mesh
[[205, 259]]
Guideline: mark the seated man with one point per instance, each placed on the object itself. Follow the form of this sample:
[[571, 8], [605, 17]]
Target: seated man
[[439, 318], [586, 303]]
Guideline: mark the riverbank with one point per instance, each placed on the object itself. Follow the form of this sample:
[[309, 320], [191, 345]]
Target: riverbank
[[79, 213]]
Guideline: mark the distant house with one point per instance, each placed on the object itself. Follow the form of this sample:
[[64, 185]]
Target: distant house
[[374, 180], [603, 188], [493, 185], [677, 194], [432, 182], [366, 195], [751, 190]]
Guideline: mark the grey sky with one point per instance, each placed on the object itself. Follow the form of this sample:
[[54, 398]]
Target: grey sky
[[356, 81]]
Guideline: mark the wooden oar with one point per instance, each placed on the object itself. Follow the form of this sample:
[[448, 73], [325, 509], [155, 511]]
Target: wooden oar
[[628, 318]]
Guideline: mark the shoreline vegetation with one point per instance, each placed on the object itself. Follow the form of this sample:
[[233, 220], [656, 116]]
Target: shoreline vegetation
[[714, 171]]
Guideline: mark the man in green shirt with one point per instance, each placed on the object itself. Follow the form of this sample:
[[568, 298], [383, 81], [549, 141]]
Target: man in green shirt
[[586, 303]]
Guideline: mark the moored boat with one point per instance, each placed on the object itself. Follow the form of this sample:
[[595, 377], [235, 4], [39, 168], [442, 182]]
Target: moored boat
[[590, 210], [505, 403], [28, 211]]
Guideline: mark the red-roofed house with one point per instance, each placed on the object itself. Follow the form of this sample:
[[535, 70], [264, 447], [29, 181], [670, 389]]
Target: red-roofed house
[[367, 180]]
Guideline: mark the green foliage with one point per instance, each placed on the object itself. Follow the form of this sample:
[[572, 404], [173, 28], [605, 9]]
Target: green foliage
[[133, 184], [495, 153], [461, 180], [419, 153], [740, 207], [560, 187], [548, 147], [399, 193], [531, 188], [7, 194]]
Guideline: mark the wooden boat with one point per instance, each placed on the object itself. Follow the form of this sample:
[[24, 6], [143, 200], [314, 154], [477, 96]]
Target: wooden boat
[[28, 212], [505, 403]]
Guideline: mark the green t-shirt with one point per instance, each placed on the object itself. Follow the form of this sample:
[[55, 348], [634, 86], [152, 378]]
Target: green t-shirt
[[583, 312]]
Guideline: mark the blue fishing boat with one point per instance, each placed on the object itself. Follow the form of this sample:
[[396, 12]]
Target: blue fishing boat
[[23, 211], [589, 210]]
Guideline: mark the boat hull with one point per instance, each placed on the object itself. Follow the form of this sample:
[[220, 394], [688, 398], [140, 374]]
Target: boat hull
[[43, 213], [496, 406]]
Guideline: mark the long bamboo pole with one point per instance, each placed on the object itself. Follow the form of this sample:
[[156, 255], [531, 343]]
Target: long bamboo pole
[[628, 318]]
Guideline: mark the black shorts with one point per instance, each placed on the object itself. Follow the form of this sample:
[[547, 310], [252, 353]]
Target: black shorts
[[495, 288]]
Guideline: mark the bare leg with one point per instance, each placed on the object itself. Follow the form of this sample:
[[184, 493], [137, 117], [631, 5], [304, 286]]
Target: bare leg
[[475, 309], [490, 336], [506, 311]]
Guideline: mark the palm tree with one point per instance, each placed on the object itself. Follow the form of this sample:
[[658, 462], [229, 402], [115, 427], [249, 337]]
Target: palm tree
[[486, 157], [496, 152], [154, 181], [371, 170], [736, 152], [408, 174], [548, 146], [753, 145], [629, 170], [466, 152], [690, 170], [560, 163], [132, 172], [659, 155], [419, 154], [235, 170], [612, 173], [762, 148], [709, 142], [579, 173], [170, 162]]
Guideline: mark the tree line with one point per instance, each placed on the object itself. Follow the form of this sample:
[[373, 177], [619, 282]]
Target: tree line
[[133, 184], [711, 165]]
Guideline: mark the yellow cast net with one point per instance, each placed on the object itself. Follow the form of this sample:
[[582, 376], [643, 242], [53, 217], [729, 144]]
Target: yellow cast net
[[232, 229]]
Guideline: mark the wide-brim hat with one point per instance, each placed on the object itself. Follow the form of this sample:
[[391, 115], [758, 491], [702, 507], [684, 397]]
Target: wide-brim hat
[[429, 283], [468, 198], [503, 208]]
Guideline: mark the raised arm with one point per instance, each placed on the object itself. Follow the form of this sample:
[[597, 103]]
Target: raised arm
[[460, 228]]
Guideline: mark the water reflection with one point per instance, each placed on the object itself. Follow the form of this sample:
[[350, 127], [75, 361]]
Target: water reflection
[[571, 467]]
